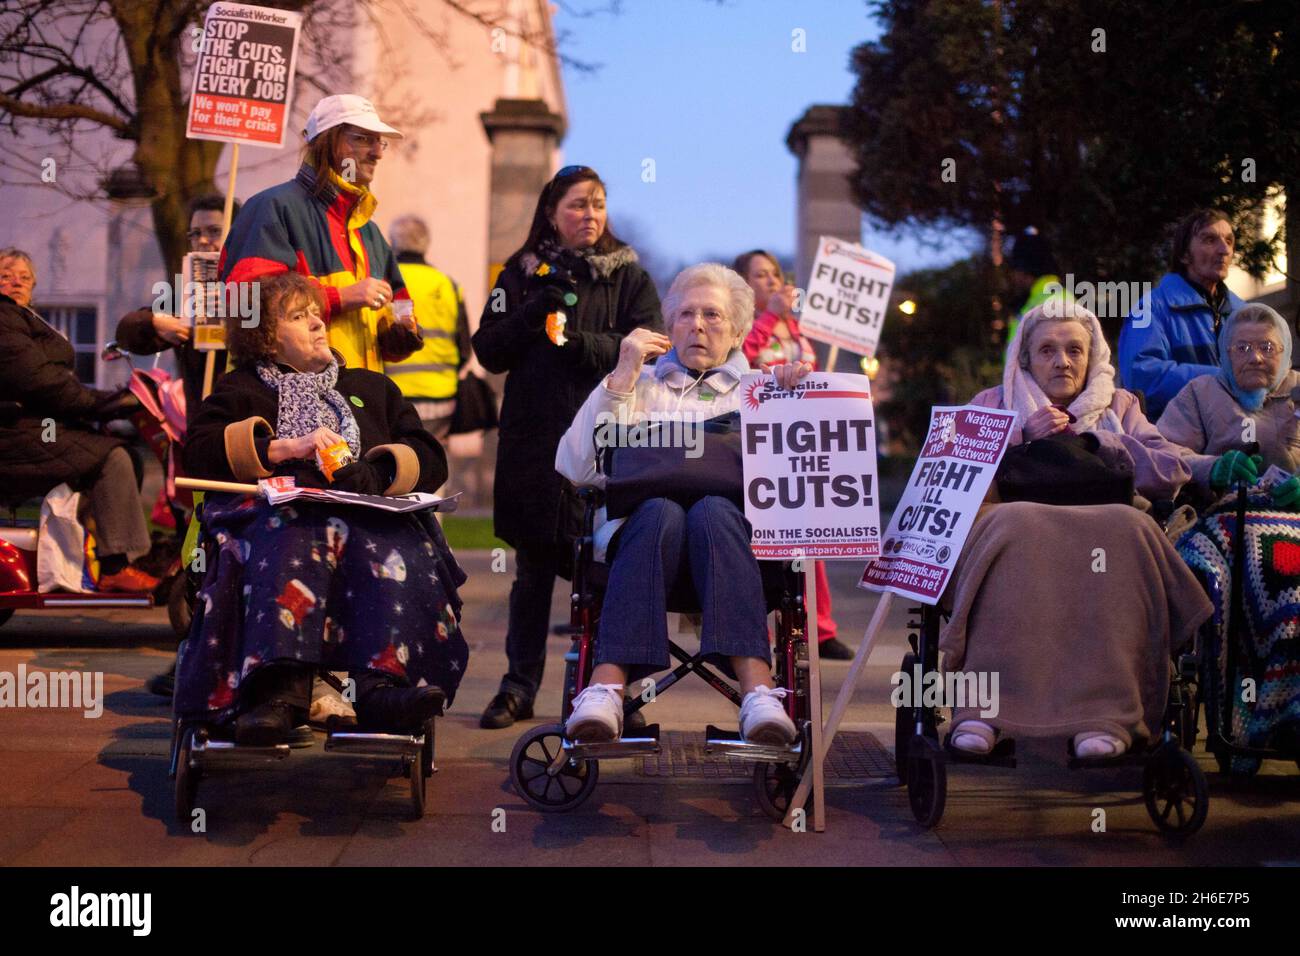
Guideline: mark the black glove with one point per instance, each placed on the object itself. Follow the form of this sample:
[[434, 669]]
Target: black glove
[[547, 299], [118, 405], [361, 477]]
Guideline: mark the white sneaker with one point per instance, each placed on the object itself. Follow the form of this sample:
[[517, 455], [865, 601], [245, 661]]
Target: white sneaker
[[597, 714], [1098, 744], [763, 719]]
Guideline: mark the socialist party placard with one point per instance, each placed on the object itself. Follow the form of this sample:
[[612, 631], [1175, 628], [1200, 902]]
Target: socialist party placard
[[952, 475], [243, 77], [809, 458], [848, 293]]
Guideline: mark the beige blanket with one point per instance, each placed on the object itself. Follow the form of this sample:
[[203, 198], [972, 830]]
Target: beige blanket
[[1075, 648]]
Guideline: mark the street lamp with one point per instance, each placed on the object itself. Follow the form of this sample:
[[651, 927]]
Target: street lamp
[[907, 307]]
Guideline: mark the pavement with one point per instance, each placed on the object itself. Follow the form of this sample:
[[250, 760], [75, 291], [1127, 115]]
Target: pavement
[[81, 791]]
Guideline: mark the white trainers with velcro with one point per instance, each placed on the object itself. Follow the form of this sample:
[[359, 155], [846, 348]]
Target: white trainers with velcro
[[763, 719], [597, 714]]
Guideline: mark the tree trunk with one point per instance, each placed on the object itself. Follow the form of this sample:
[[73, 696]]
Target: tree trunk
[[178, 168]]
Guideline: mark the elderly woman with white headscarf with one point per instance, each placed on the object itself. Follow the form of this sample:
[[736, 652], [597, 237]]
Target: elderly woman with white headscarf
[[1075, 608], [1062, 380], [1252, 399]]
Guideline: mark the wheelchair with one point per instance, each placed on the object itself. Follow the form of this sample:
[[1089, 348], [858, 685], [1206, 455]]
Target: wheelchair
[[553, 773], [1174, 788], [1227, 659], [200, 747]]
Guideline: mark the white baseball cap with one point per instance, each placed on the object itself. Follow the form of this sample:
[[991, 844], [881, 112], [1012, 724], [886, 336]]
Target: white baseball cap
[[346, 108]]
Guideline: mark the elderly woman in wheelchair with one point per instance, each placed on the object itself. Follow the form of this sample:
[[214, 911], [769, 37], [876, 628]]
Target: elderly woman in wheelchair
[[296, 587], [1076, 609], [1222, 420], [708, 312]]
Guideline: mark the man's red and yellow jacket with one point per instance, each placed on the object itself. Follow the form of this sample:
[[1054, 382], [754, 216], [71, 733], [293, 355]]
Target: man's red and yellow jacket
[[330, 238]]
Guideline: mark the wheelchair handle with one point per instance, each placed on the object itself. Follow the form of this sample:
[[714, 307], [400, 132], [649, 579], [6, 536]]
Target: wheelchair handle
[[201, 484]]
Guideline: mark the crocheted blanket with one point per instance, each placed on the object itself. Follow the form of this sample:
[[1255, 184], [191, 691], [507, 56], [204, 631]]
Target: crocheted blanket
[[1264, 691]]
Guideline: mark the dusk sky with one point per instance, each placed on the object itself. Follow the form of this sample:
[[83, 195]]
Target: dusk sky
[[709, 91]]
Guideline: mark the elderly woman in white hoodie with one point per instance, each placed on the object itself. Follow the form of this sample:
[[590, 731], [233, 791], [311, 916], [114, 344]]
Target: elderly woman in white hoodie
[[1074, 608], [708, 312]]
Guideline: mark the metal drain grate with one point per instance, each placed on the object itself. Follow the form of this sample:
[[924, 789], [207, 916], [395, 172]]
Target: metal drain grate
[[853, 756]]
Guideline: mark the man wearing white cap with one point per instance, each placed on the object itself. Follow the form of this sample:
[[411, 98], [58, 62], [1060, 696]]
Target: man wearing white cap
[[320, 224]]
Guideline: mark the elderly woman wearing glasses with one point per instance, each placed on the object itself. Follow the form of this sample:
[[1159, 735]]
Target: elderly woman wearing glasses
[[321, 224], [571, 263], [1251, 399], [709, 310]]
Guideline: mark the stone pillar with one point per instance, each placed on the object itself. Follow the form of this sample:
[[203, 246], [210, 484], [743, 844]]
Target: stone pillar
[[824, 203], [524, 134]]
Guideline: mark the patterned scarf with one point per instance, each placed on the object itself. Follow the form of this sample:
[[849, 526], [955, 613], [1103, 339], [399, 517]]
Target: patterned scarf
[[309, 401]]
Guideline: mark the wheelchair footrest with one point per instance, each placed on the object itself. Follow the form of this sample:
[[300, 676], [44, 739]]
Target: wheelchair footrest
[[219, 753], [1003, 754], [375, 745], [728, 743], [645, 741]]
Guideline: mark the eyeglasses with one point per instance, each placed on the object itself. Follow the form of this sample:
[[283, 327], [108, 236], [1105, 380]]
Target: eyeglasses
[[712, 317], [573, 171], [1266, 349], [207, 232], [367, 140]]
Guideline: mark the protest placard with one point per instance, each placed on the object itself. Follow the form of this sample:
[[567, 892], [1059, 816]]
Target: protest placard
[[809, 458], [243, 78], [203, 300], [848, 293], [952, 475]]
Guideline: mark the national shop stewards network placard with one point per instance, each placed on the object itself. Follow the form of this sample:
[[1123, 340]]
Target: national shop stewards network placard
[[810, 467], [952, 475], [243, 78]]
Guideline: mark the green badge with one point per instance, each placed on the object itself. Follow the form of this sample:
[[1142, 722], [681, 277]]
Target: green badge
[[356, 401], [706, 395]]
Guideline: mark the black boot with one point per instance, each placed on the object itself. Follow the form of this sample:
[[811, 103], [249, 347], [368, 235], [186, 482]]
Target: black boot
[[386, 707], [164, 685], [265, 725], [504, 709], [276, 698]]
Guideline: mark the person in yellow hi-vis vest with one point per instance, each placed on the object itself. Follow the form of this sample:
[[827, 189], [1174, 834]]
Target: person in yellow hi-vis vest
[[430, 376]]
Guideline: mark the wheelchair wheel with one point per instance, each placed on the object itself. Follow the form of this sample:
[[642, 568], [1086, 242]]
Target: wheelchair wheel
[[187, 778], [426, 752], [533, 753], [774, 786], [415, 773], [904, 726], [927, 780], [1175, 791]]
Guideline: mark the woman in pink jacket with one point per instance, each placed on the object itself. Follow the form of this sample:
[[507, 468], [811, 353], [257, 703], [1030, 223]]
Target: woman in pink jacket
[[775, 339]]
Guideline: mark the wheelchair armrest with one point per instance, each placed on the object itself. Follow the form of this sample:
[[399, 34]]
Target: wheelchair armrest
[[591, 495]]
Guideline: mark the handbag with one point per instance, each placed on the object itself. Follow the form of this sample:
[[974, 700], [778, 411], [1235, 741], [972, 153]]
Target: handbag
[[645, 461], [476, 406], [1062, 469]]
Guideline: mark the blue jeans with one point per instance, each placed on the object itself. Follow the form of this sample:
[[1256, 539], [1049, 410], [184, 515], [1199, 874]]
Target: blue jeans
[[663, 549]]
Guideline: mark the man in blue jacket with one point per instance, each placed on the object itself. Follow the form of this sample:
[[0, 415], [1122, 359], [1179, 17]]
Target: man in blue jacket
[[1172, 335]]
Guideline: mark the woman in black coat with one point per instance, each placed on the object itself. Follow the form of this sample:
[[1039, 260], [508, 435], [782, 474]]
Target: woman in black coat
[[298, 586], [573, 264], [52, 439]]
